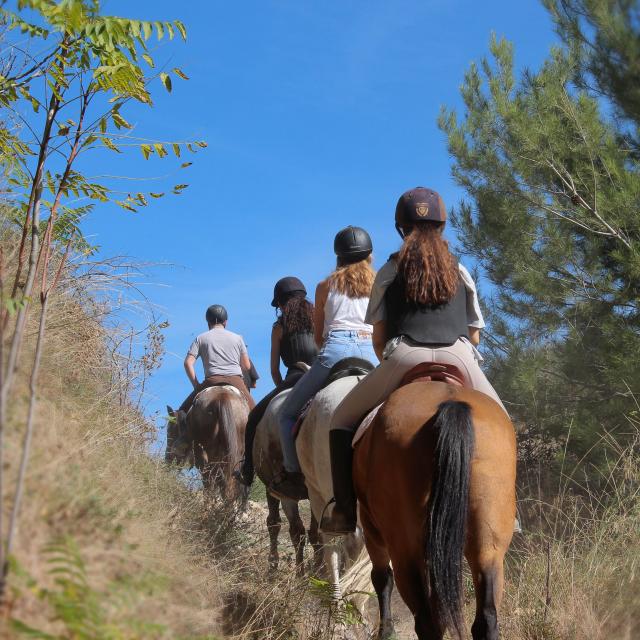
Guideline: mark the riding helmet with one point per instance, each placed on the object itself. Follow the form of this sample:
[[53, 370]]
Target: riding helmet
[[216, 314], [352, 244], [284, 288], [419, 205]]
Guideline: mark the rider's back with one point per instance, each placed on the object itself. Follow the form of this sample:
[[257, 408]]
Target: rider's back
[[220, 351]]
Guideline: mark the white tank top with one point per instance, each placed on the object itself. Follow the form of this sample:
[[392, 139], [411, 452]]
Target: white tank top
[[344, 313]]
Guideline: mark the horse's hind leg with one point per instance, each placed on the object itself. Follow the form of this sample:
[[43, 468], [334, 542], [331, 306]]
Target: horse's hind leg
[[296, 532], [488, 581], [273, 527], [381, 575]]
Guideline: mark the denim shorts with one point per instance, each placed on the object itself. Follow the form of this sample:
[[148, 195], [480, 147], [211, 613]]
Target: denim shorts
[[342, 343]]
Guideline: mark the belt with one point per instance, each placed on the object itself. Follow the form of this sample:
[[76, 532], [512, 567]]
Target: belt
[[361, 333]]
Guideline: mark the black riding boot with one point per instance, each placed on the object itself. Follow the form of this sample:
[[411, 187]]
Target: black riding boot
[[342, 519]]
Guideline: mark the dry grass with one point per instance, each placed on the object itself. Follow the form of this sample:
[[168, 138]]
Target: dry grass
[[90, 478], [157, 552]]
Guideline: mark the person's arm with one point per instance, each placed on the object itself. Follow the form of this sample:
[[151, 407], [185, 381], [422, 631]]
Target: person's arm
[[245, 363], [475, 321], [379, 337], [322, 290], [189, 367], [276, 338], [474, 336]]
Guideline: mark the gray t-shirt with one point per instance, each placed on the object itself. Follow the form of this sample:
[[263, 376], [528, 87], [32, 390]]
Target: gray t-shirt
[[220, 351]]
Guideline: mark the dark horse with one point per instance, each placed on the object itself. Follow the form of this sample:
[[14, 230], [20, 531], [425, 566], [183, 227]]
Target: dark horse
[[435, 477], [212, 432]]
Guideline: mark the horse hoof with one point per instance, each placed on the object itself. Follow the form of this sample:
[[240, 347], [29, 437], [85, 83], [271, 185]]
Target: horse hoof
[[387, 632]]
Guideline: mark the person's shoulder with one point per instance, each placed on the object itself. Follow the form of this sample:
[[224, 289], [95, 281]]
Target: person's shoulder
[[322, 289], [464, 272], [203, 336], [388, 270], [466, 277]]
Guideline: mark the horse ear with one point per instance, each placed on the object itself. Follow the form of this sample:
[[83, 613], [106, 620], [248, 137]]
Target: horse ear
[[170, 411]]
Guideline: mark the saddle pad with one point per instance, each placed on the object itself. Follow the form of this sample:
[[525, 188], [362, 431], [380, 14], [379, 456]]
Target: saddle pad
[[226, 387], [365, 424]]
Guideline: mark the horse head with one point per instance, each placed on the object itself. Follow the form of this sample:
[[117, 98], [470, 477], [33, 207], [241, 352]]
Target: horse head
[[179, 448]]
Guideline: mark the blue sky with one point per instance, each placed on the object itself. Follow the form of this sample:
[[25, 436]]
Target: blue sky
[[317, 115]]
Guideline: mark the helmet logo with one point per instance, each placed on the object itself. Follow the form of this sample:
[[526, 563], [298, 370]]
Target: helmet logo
[[422, 209]]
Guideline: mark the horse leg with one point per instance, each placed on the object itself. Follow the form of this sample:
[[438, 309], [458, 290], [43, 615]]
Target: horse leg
[[273, 527], [411, 587], [488, 576], [332, 563], [296, 532], [381, 574], [314, 539]]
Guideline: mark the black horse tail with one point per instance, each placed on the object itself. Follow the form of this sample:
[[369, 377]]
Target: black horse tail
[[447, 513]]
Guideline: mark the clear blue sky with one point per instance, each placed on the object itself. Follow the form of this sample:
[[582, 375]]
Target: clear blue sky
[[317, 115]]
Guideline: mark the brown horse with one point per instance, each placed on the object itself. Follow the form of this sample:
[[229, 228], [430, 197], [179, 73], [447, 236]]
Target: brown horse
[[214, 429], [435, 477]]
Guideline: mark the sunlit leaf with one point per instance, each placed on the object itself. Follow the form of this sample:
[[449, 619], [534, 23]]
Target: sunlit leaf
[[166, 80]]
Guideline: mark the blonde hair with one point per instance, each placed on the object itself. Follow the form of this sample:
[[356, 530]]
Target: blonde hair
[[354, 280]]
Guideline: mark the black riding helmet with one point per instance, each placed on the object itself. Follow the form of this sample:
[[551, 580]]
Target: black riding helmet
[[216, 314], [419, 205], [284, 288], [352, 244]]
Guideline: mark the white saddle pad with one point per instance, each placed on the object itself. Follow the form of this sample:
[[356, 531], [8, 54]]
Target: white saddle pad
[[226, 387], [365, 424]]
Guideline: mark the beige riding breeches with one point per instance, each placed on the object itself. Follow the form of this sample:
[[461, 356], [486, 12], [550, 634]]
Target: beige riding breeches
[[378, 385]]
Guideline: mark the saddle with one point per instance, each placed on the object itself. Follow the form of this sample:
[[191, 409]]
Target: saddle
[[423, 372], [342, 369], [348, 367], [435, 372]]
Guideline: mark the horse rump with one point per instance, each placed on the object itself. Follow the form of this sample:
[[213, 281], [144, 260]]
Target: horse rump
[[447, 513]]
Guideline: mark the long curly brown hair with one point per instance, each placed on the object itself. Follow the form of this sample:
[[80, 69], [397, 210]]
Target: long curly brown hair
[[296, 314], [426, 267], [353, 279]]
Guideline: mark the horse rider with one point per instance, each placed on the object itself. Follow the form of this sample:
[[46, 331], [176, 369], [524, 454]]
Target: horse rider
[[423, 308], [293, 342], [224, 358], [341, 332]]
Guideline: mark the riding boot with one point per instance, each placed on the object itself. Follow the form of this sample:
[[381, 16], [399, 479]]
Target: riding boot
[[343, 516], [289, 484]]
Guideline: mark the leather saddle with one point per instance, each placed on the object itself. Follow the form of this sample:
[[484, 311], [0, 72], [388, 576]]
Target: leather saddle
[[342, 369], [348, 367]]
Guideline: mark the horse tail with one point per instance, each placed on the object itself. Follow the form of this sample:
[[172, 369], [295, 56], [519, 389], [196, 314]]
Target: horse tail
[[227, 431], [447, 513]]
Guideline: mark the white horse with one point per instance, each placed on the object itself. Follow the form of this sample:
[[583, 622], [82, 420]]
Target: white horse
[[312, 445]]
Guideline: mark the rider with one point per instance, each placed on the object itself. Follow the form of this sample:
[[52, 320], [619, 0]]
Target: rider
[[424, 308], [340, 331], [224, 357], [292, 339]]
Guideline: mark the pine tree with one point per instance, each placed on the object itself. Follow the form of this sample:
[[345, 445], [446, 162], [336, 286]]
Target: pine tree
[[550, 164]]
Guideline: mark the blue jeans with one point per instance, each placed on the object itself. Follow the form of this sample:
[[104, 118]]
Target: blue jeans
[[338, 345]]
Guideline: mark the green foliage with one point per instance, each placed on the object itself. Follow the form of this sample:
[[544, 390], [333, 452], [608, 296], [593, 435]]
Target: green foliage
[[81, 610], [342, 612], [77, 90], [552, 218]]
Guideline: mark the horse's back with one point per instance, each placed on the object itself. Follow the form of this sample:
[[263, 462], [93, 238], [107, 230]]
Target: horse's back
[[312, 444], [393, 462]]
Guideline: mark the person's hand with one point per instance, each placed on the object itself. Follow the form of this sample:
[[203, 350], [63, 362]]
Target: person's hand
[[253, 384]]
